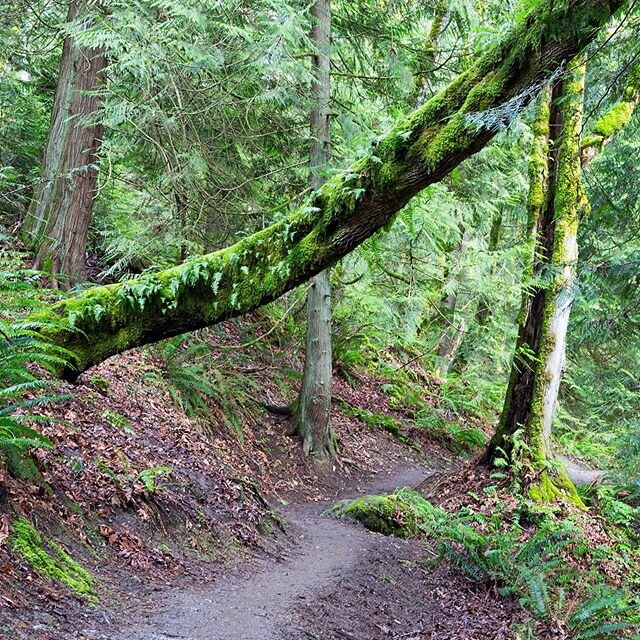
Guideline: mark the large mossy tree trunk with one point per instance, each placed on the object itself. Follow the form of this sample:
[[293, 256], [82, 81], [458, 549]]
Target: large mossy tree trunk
[[57, 224], [312, 409], [556, 201], [421, 149]]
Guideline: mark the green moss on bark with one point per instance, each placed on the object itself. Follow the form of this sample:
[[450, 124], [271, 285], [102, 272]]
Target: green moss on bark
[[555, 487], [420, 150], [568, 202], [615, 119], [554, 210]]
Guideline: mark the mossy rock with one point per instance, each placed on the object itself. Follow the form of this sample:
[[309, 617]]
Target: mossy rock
[[51, 560], [403, 514]]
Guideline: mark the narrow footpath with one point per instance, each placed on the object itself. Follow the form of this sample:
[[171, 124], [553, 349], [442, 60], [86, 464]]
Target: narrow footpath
[[339, 581]]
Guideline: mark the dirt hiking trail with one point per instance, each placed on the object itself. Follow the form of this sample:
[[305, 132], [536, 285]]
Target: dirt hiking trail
[[339, 581], [258, 606]]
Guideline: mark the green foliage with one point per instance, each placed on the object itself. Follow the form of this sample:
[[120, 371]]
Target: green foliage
[[99, 382], [616, 511], [194, 379], [130, 482], [604, 615], [118, 421], [24, 358], [151, 476], [186, 374], [375, 419], [26, 62]]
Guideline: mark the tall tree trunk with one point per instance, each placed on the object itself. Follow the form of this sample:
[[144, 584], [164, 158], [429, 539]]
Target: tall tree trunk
[[483, 311], [454, 328], [556, 201], [420, 150], [556, 185], [568, 204], [59, 217], [312, 410]]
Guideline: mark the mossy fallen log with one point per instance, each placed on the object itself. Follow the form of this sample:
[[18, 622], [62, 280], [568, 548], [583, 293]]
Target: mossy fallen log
[[420, 150]]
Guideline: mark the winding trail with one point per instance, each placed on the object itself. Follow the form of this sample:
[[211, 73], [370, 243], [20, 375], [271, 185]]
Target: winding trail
[[259, 606], [580, 473]]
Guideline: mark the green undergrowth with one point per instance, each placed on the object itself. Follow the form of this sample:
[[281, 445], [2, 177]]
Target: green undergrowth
[[23, 387], [442, 416], [198, 381], [540, 554], [50, 560], [375, 419]]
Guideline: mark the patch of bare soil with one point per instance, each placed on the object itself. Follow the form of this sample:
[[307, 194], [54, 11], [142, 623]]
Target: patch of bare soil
[[338, 581], [394, 594]]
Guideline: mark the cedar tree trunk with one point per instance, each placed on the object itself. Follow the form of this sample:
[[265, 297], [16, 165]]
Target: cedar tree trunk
[[58, 222], [312, 410]]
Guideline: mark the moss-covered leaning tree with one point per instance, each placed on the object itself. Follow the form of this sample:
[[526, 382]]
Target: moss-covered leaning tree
[[421, 149], [555, 205]]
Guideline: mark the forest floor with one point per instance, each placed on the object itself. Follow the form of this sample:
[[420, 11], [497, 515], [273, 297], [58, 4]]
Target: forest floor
[[167, 511], [214, 526], [337, 580]]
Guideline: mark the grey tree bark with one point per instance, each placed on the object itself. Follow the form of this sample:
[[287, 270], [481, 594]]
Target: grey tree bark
[[312, 409]]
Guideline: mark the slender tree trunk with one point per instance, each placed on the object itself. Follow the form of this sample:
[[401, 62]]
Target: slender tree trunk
[[58, 221], [454, 328], [483, 311], [555, 203], [420, 150], [312, 410], [423, 81]]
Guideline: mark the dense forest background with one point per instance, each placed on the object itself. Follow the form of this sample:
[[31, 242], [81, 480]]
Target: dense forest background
[[139, 136]]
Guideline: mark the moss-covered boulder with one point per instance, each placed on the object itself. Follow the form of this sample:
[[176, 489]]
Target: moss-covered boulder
[[403, 514]]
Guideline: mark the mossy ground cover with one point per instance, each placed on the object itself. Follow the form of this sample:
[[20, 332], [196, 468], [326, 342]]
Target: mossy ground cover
[[50, 560]]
